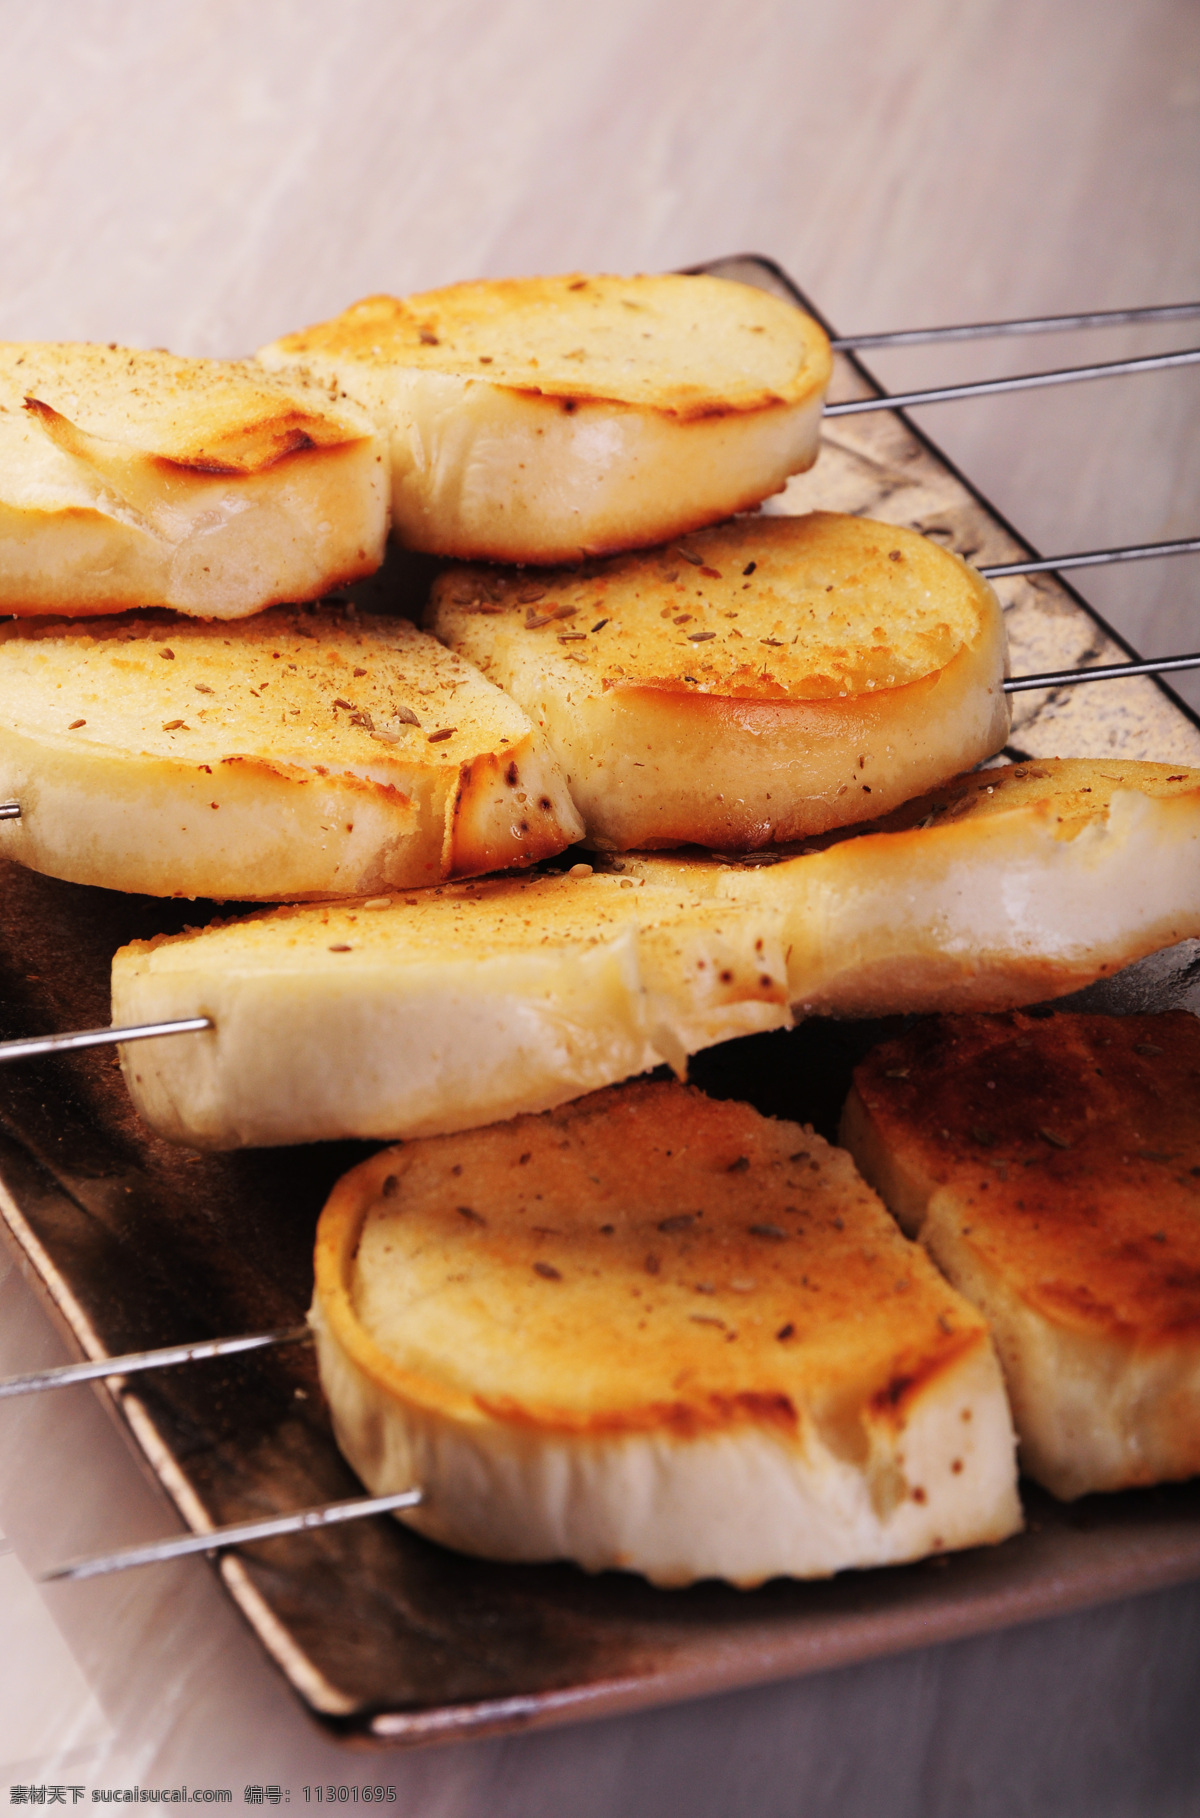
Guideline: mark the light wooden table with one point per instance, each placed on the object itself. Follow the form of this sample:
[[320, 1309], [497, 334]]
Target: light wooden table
[[206, 177]]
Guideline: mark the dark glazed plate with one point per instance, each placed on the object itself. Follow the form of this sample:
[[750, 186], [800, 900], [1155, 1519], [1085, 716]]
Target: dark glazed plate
[[383, 1634]]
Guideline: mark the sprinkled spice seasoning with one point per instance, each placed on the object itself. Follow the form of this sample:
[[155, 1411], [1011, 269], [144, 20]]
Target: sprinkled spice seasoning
[[534, 620], [1052, 1136]]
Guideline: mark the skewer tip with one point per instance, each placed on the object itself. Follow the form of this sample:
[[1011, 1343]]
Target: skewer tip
[[178, 1546]]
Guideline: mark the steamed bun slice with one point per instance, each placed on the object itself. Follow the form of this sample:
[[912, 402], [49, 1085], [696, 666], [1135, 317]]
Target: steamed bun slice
[[1051, 1167], [544, 419], [299, 754], [130, 478], [755, 683], [417, 1013], [655, 1332]]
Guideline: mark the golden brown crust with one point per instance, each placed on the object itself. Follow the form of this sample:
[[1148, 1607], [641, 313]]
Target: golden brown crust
[[693, 347], [1076, 791], [823, 608], [209, 416], [301, 694], [672, 1264]]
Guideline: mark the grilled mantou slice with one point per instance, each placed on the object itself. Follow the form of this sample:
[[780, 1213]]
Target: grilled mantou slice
[[1052, 1169], [141, 479], [433, 1011], [302, 753], [1006, 887], [764, 680], [656, 1332], [543, 419]]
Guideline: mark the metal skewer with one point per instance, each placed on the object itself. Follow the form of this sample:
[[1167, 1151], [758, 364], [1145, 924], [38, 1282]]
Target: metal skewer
[[325, 1515], [1021, 325], [1103, 672], [94, 1369], [1092, 558], [28, 1047], [1028, 381]]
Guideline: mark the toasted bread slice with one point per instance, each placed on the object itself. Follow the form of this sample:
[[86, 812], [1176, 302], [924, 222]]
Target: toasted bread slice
[[660, 1333], [764, 680], [140, 479], [417, 1014], [303, 753], [1016, 884], [1051, 1166], [543, 419]]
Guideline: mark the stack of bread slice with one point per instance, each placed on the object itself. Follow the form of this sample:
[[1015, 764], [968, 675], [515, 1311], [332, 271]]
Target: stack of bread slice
[[636, 1328], [218, 490]]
